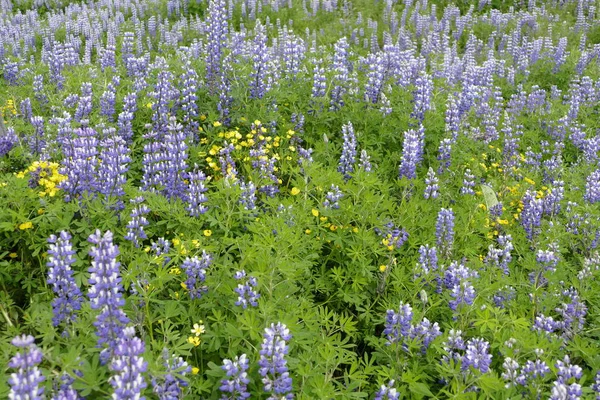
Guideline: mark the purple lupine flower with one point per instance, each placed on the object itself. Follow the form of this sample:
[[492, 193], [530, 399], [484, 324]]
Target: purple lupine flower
[[8, 139], [444, 231], [127, 47], [477, 355], [189, 101], [107, 57], [236, 387], [452, 118], [364, 161], [463, 292], [425, 332], [84, 105], [160, 248], [545, 324], [228, 168], [108, 100], [444, 155], [562, 391], [175, 161], [224, 90], [573, 313], [37, 142], [428, 260], [319, 87], [398, 324], [532, 370], [454, 345], [105, 293], [164, 94], [128, 367], [273, 365], [341, 71], [71, 100], [171, 385], [38, 89], [596, 385], [26, 110], [217, 30], [387, 392], [25, 382], [114, 160], [468, 183], [500, 257], [348, 157], [431, 190], [510, 373], [266, 168], [63, 388], [422, 96], [195, 197], [248, 196], [260, 79], [553, 198], [60, 275], [135, 226], [412, 152], [246, 290], [531, 216], [332, 197], [393, 236], [153, 163], [80, 164], [195, 269], [592, 187], [293, 54]]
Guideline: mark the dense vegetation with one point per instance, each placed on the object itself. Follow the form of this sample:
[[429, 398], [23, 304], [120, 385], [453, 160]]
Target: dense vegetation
[[299, 199]]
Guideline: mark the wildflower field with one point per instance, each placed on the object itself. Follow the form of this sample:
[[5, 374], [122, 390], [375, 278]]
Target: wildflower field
[[299, 199]]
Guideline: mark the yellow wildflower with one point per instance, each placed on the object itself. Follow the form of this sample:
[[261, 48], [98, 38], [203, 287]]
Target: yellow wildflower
[[207, 232], [194, 340], [295, 191], [382, 268], [26, 225], [315, 213]]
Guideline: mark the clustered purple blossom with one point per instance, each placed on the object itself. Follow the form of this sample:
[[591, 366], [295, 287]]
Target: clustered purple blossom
[[393, 237], [246, 290], [25, 382], [444, 231], [135, 226], [399, 328], [531, 216], [348, 157], [68, 298], [195, 194], [106, 293], [387, 392], [236, 387], [273, 364], [195, 270], [412, 152], [333, 197], [474, 354], [171, 385], [468, 183], [128, 367], [432, 187]]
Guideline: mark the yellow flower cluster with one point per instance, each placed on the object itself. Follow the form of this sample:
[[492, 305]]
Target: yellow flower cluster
[[48, 176], [240, 142], [197, 330], [8, 109]]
